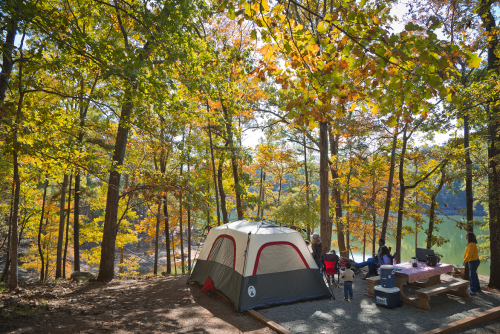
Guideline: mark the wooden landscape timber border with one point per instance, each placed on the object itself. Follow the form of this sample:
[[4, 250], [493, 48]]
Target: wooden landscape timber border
[[271, 324], [466, 322]]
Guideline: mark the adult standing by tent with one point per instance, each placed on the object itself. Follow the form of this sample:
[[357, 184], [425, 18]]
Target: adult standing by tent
[[471, 257], [316, 248]]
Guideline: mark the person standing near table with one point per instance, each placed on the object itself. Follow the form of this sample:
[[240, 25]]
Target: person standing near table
[[471, 257]]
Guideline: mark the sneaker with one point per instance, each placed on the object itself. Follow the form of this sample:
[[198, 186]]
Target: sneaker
[[346, 299], [350, 298], [472, 293]]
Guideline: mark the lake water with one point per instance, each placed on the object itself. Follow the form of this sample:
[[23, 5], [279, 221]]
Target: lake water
[[452, 251]]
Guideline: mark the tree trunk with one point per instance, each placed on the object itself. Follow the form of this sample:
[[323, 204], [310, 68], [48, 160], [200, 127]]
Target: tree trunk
[[60, 236], [336, 195], [385, 221], [107, 264], [486, 15], [167, 235], [325, 221], [7, 61], [364, 245], [263, 198], [13, 223], [67, 228], [213, 172], [260, 192], [189, 237], [180, 228], [432, 210], [234, 163], [222, 194], [76, 225], [307, 184], [7, 261], [157, 236], [469, 196], [402, 192]]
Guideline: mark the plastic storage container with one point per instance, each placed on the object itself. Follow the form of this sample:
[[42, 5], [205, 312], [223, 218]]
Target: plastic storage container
[[387, 297], [387, 276]]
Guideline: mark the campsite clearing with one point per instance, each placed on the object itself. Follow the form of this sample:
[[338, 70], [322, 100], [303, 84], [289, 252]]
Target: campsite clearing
[[145, 305]]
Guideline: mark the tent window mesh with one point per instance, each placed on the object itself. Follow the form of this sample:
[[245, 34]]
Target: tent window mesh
[[223, 252], [279, 258]]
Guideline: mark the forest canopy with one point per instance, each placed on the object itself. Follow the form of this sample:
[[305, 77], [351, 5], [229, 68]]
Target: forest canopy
[[124, 122]]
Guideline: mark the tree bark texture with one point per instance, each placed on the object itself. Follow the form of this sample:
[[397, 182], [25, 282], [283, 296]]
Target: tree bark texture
[[67, 228], [486, 15], [60, 236], [157, 236], [107, 264], [385, 221], [228, 120], [402, 193], [325, 221], [336, 195], [222, 194], [432, 209]]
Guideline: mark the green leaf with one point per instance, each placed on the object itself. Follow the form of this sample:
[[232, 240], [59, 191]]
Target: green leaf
[[231, 14], [393, 121], [473, 60], [412, 27], [253, 34]]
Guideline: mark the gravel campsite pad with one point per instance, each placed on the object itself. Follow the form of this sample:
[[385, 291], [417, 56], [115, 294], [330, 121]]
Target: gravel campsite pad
[[361, 315]]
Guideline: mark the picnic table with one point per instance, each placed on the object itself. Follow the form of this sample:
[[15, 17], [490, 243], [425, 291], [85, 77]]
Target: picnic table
[[432, 285]]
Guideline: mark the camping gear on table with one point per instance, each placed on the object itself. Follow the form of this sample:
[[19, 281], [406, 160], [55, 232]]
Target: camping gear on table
[[432, 260], [387, 276], [414, 263], [257, 264], [421, 253], [387, 297]]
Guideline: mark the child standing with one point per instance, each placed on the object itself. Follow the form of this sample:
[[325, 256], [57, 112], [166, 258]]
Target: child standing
[[348, 276]]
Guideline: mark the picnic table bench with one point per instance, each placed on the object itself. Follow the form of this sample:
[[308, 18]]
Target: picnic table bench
[[456, 287]]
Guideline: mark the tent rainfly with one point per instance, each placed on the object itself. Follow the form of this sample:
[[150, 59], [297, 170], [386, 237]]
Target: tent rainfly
[[256, 264]]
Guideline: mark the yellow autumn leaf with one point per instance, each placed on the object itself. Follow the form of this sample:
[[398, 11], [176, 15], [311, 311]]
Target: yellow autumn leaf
[[375, 19]]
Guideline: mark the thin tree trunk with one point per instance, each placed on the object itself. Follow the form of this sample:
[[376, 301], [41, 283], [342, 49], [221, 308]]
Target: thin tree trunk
[[263, 198], [336, 196], [39, 239], [7, 261], [307, 184], [167, 235], [234, 163], [402, 193], [213, 172], [189, 237], [180, 229], [76, 225], [385, 221], [67, 228], [60, 236], [157, 236], [225, 218], [364, 245], [325, 221], [260, 192], [8, 60]]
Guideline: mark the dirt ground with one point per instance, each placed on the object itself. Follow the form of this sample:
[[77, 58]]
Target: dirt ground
[[144, 305]]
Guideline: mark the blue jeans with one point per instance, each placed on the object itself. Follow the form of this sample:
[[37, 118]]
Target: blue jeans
[[319, 266], [347, 289], [474, 279], [371, 263]]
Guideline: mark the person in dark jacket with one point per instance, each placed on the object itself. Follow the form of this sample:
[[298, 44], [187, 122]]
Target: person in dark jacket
[[316, 248]]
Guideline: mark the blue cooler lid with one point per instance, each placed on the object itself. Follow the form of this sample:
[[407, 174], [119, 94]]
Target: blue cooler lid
[[387, 290], [387, 266]]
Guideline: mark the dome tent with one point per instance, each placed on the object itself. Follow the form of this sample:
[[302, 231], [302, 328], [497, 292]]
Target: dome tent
[[257, 264]]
